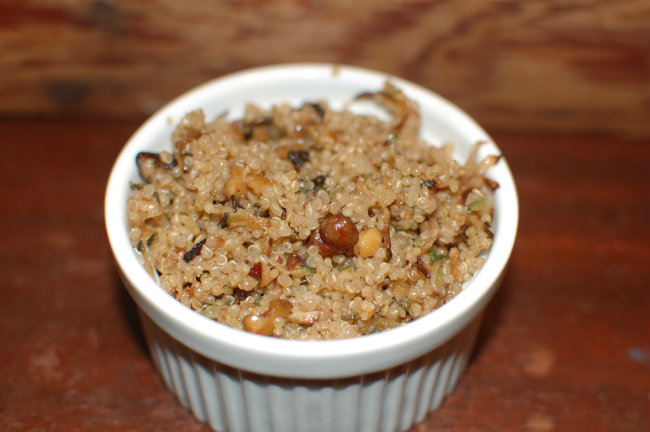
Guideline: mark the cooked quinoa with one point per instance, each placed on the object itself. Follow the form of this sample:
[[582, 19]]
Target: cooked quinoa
[[310, 223]]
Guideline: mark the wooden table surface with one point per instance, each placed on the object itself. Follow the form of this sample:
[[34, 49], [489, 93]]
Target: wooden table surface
[[564, 346]]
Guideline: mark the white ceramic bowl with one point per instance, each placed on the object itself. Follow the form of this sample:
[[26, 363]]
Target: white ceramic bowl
[[239, 381]]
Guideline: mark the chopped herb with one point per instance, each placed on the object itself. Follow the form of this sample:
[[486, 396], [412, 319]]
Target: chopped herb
[[151, 239], [436, 255], [476, 205], [393, 301], [404, 303], [326, 189], [429, 183], [309, 270], [319, 181], [350, 316], [194, 252], [304, 270], [156, 197], [346, 267], [135, 186], [301, 189]]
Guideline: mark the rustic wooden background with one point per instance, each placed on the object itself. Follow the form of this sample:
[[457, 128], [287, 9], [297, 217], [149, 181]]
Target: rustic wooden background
[[562, 86], [531, 66]]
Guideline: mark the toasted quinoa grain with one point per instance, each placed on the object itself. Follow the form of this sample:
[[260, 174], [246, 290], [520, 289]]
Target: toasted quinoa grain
[[308, 223]]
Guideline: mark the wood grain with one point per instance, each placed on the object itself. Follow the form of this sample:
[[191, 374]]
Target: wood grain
[[564, 345], [534, 66], [562, 85]]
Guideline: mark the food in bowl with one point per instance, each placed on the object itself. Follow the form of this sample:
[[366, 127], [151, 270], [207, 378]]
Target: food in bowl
[[304, 222]]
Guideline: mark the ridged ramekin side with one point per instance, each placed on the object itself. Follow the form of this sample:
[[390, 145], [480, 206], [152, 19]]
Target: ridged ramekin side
[[233, 400]]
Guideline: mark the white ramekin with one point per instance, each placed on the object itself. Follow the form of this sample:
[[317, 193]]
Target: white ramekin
[[238, 381]]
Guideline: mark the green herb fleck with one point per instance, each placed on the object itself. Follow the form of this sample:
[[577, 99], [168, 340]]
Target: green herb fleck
[[437, 255], [476, 205], [346, 267], [309, 270]]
